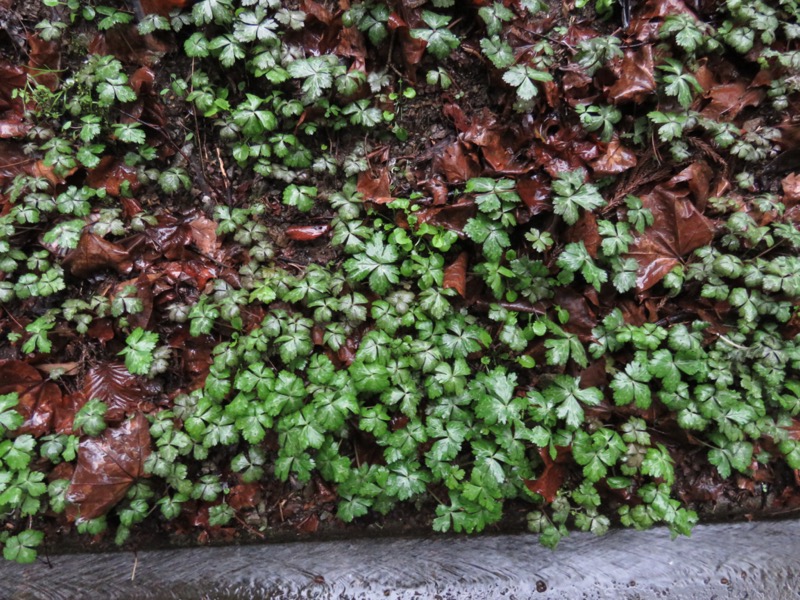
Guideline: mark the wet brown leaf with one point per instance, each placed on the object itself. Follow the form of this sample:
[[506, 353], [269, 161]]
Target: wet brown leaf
[[455, 274], [144, 292], [456, 164], [616, 159], [635, 77], [110, 174], [93, 254], [376, 188], [678, 228], [452, 216], [38, 399], [306, 233], [551, 479], [161, 7], [728, 100], [107, 466], [112, 384], [791, 189], [585, 230], [44, 61]]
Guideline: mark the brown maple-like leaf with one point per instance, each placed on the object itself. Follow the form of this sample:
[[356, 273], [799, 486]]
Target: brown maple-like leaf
[[727, 100], [107, 466], [376, 188], [456, 164], [549, 482], [113, 384], [455, 275], [38, 399], [678, 228], [44, 61], [451, 216], [635, 79], [616, 159], [110, 174], [204, 234], [791, 189], [94, 253]]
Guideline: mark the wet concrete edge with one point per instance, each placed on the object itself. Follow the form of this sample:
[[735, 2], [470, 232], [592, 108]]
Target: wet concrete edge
[[746, 560]]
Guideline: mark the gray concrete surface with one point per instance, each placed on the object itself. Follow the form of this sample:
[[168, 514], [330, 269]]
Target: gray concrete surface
[[750, 560]]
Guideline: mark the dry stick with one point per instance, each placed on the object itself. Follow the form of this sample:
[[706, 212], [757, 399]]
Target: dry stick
[[731, 342], [135, 564], [485, 305]]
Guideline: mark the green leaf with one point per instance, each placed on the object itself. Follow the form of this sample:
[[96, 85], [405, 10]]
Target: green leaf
[[22, 548], [658, 463], [571, 193], [631, 385], [522, 77], [10, 419], [377, 263], [139, 352], [302, 197]]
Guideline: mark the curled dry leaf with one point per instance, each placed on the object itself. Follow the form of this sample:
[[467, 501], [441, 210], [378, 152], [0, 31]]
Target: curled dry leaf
[[306, 233], [94, 253], [107, 466], [455, 274]]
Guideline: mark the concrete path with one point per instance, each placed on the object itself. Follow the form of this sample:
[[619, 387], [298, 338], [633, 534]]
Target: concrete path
[[751, 560]]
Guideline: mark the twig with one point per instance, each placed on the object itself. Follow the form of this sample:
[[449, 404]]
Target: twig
[[730, 342]]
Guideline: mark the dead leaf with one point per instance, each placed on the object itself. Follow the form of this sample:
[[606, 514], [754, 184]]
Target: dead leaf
[[455, 275], [585, 230], [451, 216], [616, 159], [107, 466], [457, 165], [678, 229], [551, 479], [726, 101], [635, 79], [110, 174], [306, 233], [94, 253], [44, 61], [791, 189], [204, 234], [113, 384], [375, 188], [38, 399]]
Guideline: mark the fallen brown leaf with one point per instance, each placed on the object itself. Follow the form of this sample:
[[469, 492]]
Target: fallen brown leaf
[[107, 466]]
